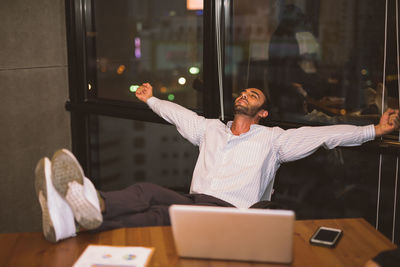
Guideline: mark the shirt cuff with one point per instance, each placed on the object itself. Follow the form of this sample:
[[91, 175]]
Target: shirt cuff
[[150, 102], [369, 132]]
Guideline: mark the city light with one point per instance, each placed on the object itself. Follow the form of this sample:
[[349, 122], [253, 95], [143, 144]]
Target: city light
[[163, 89], [194, 4], [133, 88], [139, 26], [194, 70], [181, 80], [121, 69], [138, 49], [391, 78], [171, 97]]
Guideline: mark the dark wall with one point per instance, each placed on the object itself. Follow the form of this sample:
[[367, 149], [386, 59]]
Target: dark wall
[[33, 90]]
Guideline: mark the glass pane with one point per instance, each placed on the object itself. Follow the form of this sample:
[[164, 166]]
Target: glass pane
[[154, 41], [319, 61], [125, 152], [336, 183]]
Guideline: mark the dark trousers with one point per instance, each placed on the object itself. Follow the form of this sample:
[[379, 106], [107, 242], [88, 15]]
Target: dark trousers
[[146, 204]]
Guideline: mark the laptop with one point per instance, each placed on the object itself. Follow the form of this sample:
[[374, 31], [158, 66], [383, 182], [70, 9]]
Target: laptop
[[261, 235]]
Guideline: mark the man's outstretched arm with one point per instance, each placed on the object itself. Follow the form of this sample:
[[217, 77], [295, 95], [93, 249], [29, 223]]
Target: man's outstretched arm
[[294, 144], [190, 125], [389, 122]]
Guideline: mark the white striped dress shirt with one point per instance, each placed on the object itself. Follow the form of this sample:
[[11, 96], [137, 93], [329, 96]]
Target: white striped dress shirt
[[241, 169]]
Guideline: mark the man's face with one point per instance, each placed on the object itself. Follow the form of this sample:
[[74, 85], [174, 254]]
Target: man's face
[[249, 102]]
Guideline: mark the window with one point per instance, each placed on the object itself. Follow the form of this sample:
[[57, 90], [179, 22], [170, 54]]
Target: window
[[134, 41], [321, 62]]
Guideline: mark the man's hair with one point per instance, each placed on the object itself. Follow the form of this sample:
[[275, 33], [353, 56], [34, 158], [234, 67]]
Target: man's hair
[[265, 106], [267, 102]]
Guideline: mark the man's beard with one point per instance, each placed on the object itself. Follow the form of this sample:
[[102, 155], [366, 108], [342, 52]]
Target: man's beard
[[251, 112]]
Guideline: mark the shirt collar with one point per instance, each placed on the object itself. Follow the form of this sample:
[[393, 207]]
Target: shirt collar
[[229, 125]]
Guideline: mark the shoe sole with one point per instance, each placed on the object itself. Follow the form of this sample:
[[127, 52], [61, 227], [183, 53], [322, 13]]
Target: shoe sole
[[68, 181], [41, 172]]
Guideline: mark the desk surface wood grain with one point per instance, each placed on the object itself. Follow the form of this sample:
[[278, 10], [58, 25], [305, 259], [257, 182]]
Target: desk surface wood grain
[[359, 243]]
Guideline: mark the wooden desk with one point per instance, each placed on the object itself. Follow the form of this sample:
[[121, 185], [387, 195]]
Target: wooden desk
[[359, 243]]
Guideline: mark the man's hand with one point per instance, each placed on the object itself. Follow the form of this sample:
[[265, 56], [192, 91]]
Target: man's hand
[[389, 122], [144, 92]]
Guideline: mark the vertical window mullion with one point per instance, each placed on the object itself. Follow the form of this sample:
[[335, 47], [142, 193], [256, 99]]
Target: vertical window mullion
[[77, 79], [211, 92]]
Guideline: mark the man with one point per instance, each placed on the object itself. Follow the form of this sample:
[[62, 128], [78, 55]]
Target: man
[[236, 167]]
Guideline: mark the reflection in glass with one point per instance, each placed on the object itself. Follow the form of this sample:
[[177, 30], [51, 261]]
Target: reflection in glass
[[319, 61], [153, 41], [336, 183]]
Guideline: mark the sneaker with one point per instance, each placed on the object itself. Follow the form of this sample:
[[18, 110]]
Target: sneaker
[[57, 217], [91, 193], [69, 180]]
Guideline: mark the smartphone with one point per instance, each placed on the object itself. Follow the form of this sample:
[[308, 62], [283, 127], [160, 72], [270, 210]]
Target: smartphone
[[325, 236]]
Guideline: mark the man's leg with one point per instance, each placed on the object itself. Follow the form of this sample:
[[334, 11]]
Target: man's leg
[[207, 200], [139, 198], [146, 204], [157, 215], [148, 209], [142, 204]]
